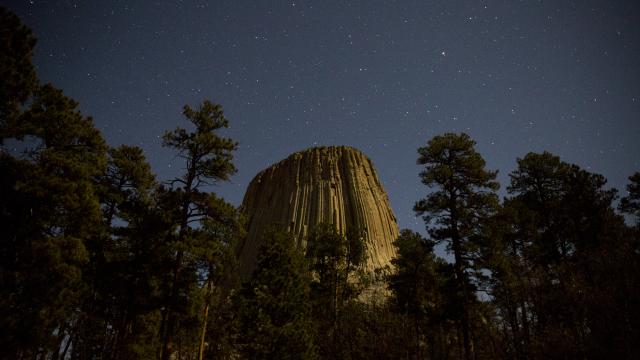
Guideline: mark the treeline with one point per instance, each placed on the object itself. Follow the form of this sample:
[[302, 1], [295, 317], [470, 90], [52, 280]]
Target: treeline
[[551, 272], [101, 260]]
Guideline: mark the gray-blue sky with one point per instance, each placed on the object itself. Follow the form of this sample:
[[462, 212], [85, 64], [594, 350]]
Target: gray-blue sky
[[382, 76]]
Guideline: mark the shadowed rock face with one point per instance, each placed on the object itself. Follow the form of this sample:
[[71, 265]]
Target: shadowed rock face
[[337, 185]]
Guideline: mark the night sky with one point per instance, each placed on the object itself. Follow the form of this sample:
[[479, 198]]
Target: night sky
[[381, 76]]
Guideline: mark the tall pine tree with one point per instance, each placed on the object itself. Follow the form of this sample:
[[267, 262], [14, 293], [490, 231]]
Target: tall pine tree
[[463, 197], [207, 159]]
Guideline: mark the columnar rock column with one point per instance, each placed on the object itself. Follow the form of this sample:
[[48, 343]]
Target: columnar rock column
[[335, 184]]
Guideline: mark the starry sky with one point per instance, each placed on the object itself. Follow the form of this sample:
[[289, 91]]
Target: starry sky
[[381, 76]]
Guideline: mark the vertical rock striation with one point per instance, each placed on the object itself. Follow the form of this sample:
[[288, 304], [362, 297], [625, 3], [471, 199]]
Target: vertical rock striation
[[335, 184]]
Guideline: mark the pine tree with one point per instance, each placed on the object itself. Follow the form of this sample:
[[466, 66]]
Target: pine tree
[[222, 229], [463, 196], [557, 253], [55, 179], [274, 306], [208, 159], [630, 204], [506, 254], [113, 271], [335, 262], [17, 72], [417, 285]]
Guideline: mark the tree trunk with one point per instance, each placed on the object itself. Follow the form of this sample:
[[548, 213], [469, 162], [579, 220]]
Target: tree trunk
[[464, 323], [171, 316], [459, 272], [205, 315], [63, 355], [417, 330], [184, 223], [203, 333]]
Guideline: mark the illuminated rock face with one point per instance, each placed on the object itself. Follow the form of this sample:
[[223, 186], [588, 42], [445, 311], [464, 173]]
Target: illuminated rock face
[[337, 185]]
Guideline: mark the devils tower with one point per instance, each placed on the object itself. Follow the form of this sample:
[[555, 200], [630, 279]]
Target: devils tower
[[336, 184]]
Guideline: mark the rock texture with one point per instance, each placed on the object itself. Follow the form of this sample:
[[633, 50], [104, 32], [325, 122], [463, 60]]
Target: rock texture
[[336, 184]]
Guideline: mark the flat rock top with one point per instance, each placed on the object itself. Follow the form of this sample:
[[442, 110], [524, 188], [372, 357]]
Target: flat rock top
[[333, 151]]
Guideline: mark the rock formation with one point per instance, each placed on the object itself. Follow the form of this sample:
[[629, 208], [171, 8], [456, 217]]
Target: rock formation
[[336, 184]]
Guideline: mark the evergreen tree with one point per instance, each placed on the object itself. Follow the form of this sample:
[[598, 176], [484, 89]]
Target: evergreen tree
[[418, 287], [208, 159], [223, 228], [335, 262], [59, 221], [140, 270], [94, 253], [630, 204], [557, 254], [464, 196], [274, 306], [506, 253], [17, 72], [125, 192], [126, 184]]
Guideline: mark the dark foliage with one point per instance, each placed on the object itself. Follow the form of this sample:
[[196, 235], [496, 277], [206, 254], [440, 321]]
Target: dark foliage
[[463, 198], [16, 70], [274, 306]]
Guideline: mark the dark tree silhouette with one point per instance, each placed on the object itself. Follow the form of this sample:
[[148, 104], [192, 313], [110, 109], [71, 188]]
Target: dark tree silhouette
[[630, 204], [463, 197], [17, 72], [208, 159], [274, 306]]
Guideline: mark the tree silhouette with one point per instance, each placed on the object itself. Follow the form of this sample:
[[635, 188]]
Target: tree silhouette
[[463, 197], [17, 72], [274, 306], [208, 159], [630, 204]]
